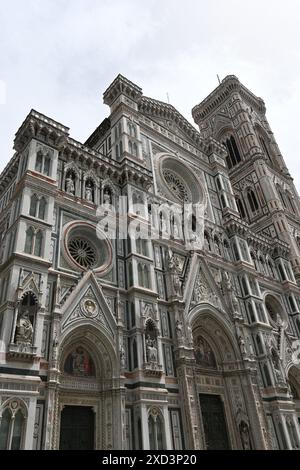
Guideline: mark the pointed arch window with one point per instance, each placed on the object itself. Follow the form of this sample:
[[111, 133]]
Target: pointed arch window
[[264, 147], [234, 156], [281, 195], [39, 162], [12, 429], [37, 207], [155, 426], [292, 303], [33, 205], [144, 276], [260, 349], [43, 163], [134, 150], [29, 240], [240, 207], [142, 246], [227, 250], [42, 208], [34, 242], [267, 375], [290, 202], [38, 243], [252, 199], [271, 269], [140, 275], [147, 277], [4, 429]]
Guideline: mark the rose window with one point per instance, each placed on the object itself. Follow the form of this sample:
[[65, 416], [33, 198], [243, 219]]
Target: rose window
[[83, 252], [86, 247], [177, 185]]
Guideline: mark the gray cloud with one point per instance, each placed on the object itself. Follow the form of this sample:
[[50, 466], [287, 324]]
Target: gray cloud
[[58, 56]]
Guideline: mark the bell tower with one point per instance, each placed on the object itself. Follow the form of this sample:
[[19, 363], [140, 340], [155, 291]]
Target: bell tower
[[265, 194]]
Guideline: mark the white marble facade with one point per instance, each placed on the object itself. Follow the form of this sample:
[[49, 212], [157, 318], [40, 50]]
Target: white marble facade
[[154, 342]]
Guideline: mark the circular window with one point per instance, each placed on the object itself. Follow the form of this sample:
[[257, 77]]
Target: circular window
[[177, 185], [178, 181], [85, 248], [83, 252]]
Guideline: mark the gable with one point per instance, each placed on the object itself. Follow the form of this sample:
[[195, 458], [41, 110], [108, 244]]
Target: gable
[[201, 288], [87, 303]]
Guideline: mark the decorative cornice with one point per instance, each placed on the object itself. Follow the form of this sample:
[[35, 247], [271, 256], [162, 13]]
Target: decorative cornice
[[9, 172], [163, 110], [229, 85], [37, 125], [235, 226], [122, 85], [98, 133]]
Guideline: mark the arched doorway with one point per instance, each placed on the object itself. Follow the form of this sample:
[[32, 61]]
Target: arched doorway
[[224, 422], [211, 391], [294, 384], [87, 395]]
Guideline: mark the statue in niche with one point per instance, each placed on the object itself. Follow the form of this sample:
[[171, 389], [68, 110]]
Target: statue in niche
[[24, 329], [70, 185], [245, 435], [107, 199], [151, 349], [89, 192], [276, 367], [242, 344], [122, 357], [179, 328], [228, 288], [175, 270]]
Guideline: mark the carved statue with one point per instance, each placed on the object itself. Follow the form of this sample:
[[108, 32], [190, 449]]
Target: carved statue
[[107, 196], [176, 285], [54, 347], [190, 335], [89, 192], [276, 367], [70, 186], [24, 329], [175, 270], [228, 288], [122, 357], [151, 349], [178, 328], [245, 436], [242, 346], [226, 281]]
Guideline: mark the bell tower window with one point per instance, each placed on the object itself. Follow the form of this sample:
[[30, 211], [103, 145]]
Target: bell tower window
[[252, 201], [234, 156]]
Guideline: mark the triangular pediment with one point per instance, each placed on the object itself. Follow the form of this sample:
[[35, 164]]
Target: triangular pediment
[[29, 283], [201, 288], [165, 115], [173, 127], [87, 303]]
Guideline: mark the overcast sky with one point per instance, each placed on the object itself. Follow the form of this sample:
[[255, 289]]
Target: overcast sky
[[58, 56]]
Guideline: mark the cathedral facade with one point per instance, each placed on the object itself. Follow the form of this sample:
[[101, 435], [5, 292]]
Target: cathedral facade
[[149, 280]]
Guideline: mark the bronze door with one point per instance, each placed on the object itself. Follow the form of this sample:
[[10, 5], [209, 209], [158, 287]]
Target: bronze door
[[77, 428], [214, 422]]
